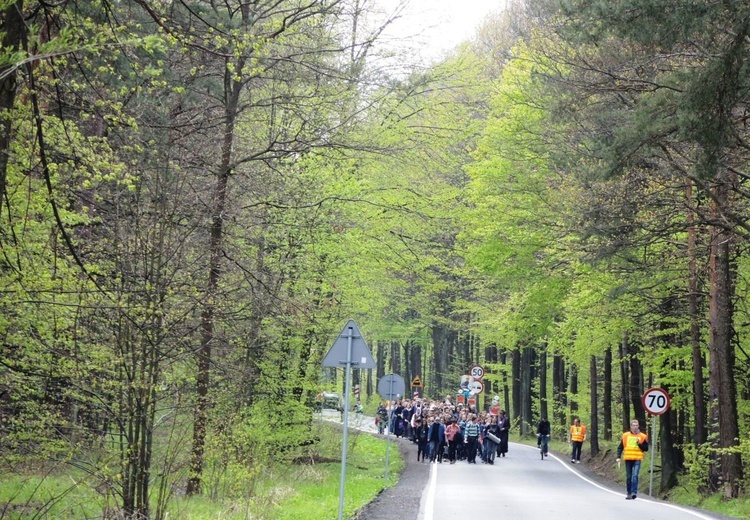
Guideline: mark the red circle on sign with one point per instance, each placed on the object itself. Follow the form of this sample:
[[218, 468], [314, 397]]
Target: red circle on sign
[[656, 401]]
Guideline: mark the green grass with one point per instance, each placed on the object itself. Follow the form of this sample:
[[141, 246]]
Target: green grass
[[47, 496], [308, 491], [314, 490], [734, 508]]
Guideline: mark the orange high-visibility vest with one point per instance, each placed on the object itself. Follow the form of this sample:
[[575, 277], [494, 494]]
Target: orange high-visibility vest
[[630, 442], [577, 433]]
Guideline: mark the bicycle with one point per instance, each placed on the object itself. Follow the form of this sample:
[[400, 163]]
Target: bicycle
[[543, 443]]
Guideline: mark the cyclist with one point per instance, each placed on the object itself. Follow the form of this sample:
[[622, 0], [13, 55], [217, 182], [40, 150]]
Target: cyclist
[[542, 435]]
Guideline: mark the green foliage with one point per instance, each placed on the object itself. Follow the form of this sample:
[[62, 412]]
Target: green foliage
[[508, 228], [246, 487], [691, 492], [484, 202]]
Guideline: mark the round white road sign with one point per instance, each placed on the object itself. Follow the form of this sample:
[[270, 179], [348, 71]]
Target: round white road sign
[[656, 401], [476, 372], [476, 387]]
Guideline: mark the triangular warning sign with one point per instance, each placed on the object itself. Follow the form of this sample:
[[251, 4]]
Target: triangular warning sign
[[360, 354], [416, 382]]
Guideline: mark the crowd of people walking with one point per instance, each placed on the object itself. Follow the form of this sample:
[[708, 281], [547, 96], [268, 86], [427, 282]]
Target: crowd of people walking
[[447, 431]]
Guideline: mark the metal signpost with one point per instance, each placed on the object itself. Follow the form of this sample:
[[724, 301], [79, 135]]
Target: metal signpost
[[390, 388], [656, 401], [351, 346], [471, 384]]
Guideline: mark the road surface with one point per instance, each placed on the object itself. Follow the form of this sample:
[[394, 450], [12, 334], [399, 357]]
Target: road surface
[[521, 486]]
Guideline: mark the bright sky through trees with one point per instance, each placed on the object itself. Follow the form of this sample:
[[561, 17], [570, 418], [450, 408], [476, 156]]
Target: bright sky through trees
[[434, 27]]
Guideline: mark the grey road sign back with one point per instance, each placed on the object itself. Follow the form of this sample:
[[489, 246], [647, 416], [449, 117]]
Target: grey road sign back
[[361, 356], [391, 386]]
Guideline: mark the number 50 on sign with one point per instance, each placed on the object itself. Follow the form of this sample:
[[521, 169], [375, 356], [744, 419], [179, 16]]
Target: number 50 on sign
[[656, 401]]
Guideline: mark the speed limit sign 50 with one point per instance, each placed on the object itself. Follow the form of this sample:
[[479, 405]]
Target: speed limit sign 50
[[656, 401]]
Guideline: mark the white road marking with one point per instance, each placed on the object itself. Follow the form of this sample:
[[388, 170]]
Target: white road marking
[[429, 509], [657, 502]]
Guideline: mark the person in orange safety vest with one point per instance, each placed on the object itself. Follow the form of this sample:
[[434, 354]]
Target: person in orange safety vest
[[631, 449], [577, 436]]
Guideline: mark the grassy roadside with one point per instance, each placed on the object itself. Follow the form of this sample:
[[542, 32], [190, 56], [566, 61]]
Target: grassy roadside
[[604, 466], [307, 489]]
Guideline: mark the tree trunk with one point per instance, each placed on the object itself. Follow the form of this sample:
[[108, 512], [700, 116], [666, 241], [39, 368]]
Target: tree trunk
[[624, 378], [607, 398], [543, 405], [208, 316], [441, 355], [527, 363], [559, 389], [491, 388], [369, 388], [725, 471], [516, 382], [406, 370], [395, 356], [671, 458], [573, 402], [14, 38], [700, 435], [636, 385], [593, 430], [380, 359], [506, 389]]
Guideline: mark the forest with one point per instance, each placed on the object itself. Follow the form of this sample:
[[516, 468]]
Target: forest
[[195, 196]]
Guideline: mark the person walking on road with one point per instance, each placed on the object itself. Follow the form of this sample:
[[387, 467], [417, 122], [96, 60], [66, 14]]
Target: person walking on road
[[453, 437], [491, 430], [421, 432], [633, 445], [471, 439], [436, 437], [543, 430], [577, 438], [503, 428], [382, 418]]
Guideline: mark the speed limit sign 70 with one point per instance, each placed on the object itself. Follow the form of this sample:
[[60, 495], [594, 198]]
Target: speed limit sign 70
[[656, 401]]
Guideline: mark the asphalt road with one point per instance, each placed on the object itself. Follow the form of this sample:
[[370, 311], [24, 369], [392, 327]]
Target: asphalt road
[[520, 485], [524, 487]]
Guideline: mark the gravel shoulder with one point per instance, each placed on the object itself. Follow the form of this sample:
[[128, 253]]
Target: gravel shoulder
[[402, 500]]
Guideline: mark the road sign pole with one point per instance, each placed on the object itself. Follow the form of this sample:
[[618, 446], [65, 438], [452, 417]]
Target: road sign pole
[[347, 390], [653, 456], [349, 344], [656, 401], [388, 429], [390, 388]]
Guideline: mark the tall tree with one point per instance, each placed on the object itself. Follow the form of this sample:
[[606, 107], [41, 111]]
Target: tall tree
[[688, 104], [594, 392], [15, 40]]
